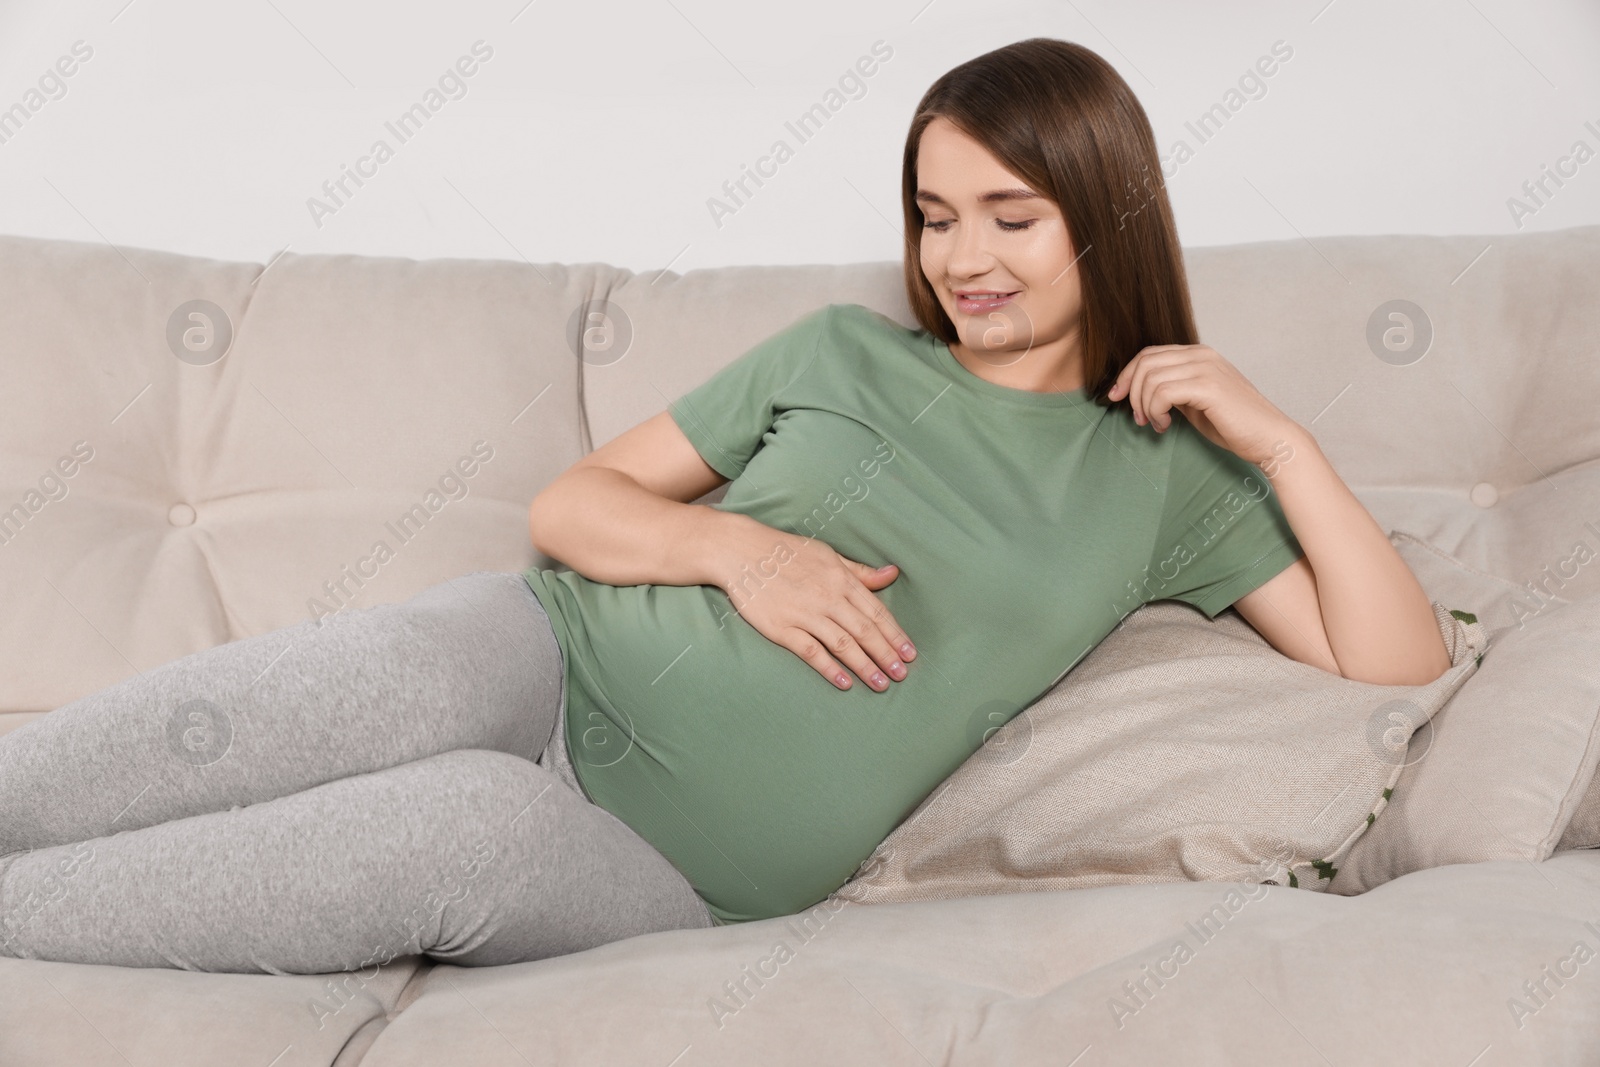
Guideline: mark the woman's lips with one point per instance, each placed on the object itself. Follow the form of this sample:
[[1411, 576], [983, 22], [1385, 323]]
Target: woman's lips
[[978, 305]]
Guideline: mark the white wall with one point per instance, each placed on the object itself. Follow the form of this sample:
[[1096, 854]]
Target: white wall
[[599, 131]]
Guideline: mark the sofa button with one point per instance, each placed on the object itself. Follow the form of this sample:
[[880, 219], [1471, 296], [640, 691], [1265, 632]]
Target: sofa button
[[1485, 495], [181, 515]]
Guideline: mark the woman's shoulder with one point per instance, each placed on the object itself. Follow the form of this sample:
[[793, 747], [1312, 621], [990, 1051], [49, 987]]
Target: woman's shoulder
[[864, 315], [867, 323]]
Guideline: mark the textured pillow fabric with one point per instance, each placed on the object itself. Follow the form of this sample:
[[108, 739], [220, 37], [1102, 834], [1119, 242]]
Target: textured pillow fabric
[[1506, 768], [1181, 748], [1584, 829]]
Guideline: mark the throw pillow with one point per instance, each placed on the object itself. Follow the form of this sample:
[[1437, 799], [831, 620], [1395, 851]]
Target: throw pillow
[[1180, 748], [1584, 829], [1508, 763]]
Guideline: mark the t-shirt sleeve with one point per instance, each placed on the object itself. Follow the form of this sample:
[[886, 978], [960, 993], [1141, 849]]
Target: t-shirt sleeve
[[1223, 532], [728, 415]]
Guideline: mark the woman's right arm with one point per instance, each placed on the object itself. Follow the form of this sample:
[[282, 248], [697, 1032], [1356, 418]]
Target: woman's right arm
[[621, 515], [609, 528]]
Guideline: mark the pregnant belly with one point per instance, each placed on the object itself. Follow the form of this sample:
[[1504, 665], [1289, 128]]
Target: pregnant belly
[[763, 783]]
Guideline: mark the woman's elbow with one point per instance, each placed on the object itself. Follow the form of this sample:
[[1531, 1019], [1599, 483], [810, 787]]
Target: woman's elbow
[[1410, 672]]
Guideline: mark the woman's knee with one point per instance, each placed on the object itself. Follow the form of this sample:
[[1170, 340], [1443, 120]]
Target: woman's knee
[[540, 871], [485, 795]]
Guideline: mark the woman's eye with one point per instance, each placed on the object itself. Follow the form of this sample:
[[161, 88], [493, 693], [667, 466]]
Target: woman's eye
[[1010, 227]]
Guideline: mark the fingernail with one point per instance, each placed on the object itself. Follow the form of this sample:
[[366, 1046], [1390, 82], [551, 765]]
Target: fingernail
[[879, 680], [841, 681], [907, 651]]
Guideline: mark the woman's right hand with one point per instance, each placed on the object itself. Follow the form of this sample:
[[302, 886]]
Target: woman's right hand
[[800, 593]]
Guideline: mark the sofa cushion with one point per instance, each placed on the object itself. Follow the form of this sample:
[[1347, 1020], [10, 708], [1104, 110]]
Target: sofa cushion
[[1180, 748], [1503, 771], [169, 504], [1497, 403], [1194, 973], [77, 1013]]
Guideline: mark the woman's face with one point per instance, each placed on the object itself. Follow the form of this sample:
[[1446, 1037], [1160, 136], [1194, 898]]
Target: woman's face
[[1016, 243]]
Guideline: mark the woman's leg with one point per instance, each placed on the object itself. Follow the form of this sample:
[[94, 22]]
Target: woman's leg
[[468, 663], [473, 857]]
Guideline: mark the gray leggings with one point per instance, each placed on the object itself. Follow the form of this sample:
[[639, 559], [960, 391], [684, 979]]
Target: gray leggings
[[324, 798]]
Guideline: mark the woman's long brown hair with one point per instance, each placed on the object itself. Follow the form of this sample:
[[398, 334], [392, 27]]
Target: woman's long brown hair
[[1060, 118]]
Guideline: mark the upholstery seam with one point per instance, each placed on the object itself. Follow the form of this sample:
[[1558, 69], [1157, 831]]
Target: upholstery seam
[[425, 967]]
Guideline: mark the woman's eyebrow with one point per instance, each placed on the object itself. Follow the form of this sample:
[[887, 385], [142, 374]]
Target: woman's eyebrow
[[990, 197]]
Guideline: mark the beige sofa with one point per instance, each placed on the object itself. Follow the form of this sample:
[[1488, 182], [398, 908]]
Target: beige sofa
[[222, 486]]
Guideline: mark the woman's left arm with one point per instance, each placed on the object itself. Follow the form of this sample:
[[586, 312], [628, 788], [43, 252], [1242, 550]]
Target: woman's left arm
[[1350, 605]]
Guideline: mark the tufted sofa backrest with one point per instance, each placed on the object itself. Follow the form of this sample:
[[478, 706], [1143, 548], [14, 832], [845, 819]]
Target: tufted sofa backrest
[[194, 451]]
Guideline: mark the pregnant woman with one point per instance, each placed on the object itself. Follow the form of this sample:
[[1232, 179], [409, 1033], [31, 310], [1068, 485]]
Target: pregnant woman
[[719, 711]]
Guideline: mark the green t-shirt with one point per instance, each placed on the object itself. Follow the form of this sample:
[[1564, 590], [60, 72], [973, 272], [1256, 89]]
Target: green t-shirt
[[1025, 526]]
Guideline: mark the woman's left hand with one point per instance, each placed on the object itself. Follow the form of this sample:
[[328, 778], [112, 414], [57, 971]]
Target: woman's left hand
[[1210, 392]]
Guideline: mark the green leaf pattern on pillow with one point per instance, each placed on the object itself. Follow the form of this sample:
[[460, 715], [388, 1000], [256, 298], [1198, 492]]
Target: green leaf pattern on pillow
[[1328, 870], [1323, 867]]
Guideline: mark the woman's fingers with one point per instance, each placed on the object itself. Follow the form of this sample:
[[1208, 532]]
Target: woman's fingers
[[886, 642], [868, 602], [811, 648], [854, 639], [826, 611]]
